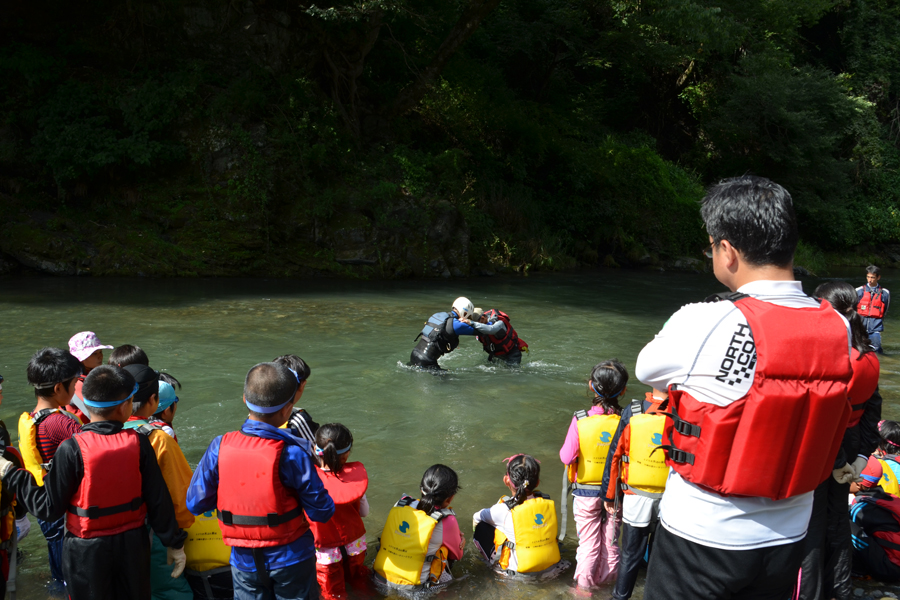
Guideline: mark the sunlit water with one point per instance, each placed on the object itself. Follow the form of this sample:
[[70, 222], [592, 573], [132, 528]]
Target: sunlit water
[[357, 338]]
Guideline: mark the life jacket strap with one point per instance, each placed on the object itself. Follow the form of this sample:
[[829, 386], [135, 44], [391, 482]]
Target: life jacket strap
[[682, 426], [95, 512], [677, 454], [269, 520], [643, 493], [585, 486], [887, 544], [637, 407], [580, 414]]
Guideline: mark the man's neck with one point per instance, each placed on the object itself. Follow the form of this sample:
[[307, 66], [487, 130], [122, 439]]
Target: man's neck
[[45, 403], [748, 274]]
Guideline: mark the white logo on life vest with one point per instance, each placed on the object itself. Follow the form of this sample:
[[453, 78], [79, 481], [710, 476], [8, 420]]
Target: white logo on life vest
[[740, 357]]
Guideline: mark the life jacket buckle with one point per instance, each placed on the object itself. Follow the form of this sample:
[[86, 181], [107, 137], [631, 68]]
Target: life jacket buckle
[[678, 455], [685, 428], [225, 517]]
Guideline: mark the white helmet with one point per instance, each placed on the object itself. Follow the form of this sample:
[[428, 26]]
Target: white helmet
[[463, 306]]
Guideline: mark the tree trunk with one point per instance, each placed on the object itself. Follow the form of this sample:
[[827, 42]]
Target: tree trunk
[[468, 22]]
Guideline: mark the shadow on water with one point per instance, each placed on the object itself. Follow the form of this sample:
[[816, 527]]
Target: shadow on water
[[357, 337]]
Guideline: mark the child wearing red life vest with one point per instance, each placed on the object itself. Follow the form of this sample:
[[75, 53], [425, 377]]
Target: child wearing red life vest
[[341, 541], [585, 452], [421, 538], [86, 347]]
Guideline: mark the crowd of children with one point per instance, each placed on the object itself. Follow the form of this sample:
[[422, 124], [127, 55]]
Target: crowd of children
[[275, 509]]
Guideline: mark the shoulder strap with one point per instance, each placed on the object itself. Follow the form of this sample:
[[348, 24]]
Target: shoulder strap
[[538, 494], [580, 414], [147, 429], [637, 407], [405, 500], [43, 414], [730, 296]]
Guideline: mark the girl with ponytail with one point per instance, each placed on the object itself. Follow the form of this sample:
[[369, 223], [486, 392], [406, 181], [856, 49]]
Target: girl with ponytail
[[828, 538], [585, 452], [518, 534], [340, 542], [402, 561]]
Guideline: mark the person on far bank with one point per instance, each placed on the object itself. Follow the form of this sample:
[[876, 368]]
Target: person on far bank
[[765, 364], [497, 336], [262, 518], [441, 333], [107, 484], [86, 347], [873, 306]]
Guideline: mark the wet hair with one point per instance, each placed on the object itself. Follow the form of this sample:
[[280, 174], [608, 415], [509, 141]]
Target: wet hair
[[608, 379], [169, 379], [756, 216], [330, 438], [438, 483], [890, 437], [107, 383], [873, 270], [269, 384], [842, 296], [296, 364], [49, 366], [126, 354], [524, 472]]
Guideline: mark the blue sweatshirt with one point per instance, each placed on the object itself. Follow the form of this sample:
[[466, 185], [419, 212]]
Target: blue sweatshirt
[[297, 472]]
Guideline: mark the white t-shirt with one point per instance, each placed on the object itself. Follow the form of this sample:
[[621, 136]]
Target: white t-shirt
[[500, 516], [707, 350]]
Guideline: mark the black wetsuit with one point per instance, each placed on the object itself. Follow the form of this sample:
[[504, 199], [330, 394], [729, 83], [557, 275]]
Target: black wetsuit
[[442, 338], [109, 567]]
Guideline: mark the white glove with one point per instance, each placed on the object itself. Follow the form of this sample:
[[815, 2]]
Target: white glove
[[5, 466], [23, 526], [844, 475], [177, 556], [858, 465]]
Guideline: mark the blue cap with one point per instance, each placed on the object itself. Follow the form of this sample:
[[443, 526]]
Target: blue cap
[[167, 396]]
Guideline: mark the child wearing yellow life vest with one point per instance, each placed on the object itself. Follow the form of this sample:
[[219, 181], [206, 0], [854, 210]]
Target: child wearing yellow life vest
[[888, 454], [518, 534], [341, 541], [585, 452], [421, 538], [637, 469]]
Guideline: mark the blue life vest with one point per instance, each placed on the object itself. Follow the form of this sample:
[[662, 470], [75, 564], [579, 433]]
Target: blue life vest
[[439, 335]]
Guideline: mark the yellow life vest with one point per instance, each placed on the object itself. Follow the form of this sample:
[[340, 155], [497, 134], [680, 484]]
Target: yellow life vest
[[404, 545], [28, 442], [888, 481], [594, 437], [645, 471], [534, 523], [204, 547]]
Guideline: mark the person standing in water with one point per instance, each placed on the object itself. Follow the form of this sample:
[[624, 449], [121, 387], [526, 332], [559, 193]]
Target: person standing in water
[[497, 336], [766, 365], [873, 305], [86, 347], [441, 333]]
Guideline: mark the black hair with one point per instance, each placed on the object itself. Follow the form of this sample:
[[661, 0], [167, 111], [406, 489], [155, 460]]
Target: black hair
[[296, 364], [107, 383], [49, 366], [524, 472], [842, 296], [608, 379], [269, 384], [873, 270], [438, 483], [890, 437], [126, 354], [330, 438], [169, 379], [756, 216]]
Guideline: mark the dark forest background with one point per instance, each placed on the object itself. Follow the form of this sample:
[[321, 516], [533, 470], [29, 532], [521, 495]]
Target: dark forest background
[[395, 138]]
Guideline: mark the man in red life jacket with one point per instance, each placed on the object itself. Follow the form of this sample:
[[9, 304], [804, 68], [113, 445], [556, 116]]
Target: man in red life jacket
[[758, 408], [873, 305], [106, 482], [497, 336]]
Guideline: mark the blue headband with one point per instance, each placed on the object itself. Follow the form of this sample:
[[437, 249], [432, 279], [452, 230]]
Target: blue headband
[[606, 397], [321, 452], [870, 478], [267, 410], [114, 402]]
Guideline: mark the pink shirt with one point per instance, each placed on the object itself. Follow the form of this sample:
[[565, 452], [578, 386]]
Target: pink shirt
[[569, 450]]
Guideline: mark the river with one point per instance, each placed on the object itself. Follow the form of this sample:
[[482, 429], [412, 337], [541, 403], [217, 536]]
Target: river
[[357, 337]]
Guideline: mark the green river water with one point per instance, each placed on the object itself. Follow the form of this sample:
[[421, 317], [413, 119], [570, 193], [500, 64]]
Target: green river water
[[357, 337]]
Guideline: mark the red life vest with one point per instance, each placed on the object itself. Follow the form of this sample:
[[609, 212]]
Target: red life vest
[[108, 499], [503, 344], [345, 488], [256, 510], [871, 305], [889, 540], [863, 383], [780, 440]]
